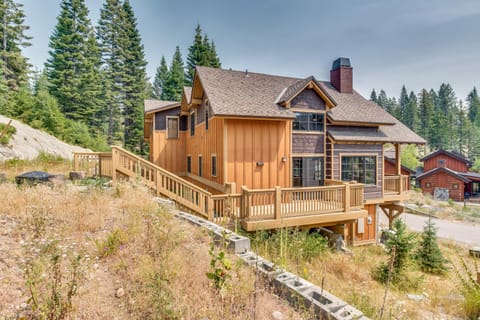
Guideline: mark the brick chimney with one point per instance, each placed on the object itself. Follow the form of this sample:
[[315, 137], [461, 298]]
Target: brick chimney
[[341, 75]]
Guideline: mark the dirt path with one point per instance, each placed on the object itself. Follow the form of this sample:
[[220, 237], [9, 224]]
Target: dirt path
[[447, 229]]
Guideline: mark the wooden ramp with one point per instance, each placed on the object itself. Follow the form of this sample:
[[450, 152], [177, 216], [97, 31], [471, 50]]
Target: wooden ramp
[[337, 202]]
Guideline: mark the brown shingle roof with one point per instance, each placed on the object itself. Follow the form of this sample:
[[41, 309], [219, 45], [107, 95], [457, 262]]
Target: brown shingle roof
[[452, 154], [156, 105], [242, 94], [442, 169]]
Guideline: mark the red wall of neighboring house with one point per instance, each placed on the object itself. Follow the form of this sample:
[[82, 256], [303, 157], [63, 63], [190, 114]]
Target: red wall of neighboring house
[[390, 169], [444, 180], [451, 163]]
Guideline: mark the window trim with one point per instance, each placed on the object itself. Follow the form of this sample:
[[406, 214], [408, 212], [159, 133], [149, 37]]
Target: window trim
[[213, 172], [178, 126], [307, 111], [192, 126], [342, 155], [200, 165]]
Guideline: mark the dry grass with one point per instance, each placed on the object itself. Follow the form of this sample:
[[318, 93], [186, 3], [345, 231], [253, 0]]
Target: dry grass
[[350, 278], [125, 241]]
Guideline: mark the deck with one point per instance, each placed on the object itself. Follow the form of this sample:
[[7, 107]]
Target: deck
[[336, 202]]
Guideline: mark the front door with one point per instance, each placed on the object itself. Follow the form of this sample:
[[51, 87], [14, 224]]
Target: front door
[[307, 171]]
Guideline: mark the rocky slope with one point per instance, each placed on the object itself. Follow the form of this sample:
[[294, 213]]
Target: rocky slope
[[27, 143]]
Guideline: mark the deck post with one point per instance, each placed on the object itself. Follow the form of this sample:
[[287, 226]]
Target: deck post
[[230, 188], [245, 205], [346, 207], [114, 164], [210, 208], [400, 184], [278, 203], [75, 162], [158, 181], [398, 161]]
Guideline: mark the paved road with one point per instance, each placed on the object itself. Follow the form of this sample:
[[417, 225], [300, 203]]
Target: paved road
[[454, 230]]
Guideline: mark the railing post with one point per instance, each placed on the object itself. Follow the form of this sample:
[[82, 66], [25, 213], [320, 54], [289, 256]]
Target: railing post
[[278, 203], [245, 205], [75, 162], [400, 183], [231, 188], [346, 207], [114, 164], [158, 182], [210, 208]]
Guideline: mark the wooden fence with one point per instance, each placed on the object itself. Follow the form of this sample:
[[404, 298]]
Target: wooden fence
[[396, 184]]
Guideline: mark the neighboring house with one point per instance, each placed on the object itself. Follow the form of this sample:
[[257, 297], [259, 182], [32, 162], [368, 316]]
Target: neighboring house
[[261, 131], [445, 173], [389, 166]]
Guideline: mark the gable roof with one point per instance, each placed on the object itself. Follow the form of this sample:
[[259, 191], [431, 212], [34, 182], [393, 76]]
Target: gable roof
[[392, 161], [295, 89], [153, 105], [452, 154], [247, 94], [442, 169]]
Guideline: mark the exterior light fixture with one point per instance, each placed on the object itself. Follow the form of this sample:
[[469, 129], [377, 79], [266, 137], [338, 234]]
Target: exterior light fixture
[[259, 163]]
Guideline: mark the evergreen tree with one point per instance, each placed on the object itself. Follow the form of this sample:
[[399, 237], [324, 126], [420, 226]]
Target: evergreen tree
[[474, 107], [176, 78], [463, 127], [373, 96], [73, 65], [134, 82], [401, 242], [202, 52], [160, 78], [429, 256], [111, 37], [426, 115], [403, 103], [410, 116], [14, 65]]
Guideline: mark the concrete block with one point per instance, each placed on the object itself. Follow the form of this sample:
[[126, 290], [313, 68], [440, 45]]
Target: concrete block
[[347, 313], [324, 303]]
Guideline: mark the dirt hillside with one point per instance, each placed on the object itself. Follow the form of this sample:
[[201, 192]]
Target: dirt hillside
[[27, 143]]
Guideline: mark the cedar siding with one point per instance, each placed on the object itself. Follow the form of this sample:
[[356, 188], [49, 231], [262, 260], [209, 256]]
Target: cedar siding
[[253, 141], [448, 162], [444, 180]]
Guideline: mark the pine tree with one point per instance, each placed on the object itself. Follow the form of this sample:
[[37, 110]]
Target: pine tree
[[402, 242], [176, 78], [15, 66], [202, 52], [160, 77], [373, 96], [474, 107], [110, 38], [134, 82], [403, 103], [410, 115], [428, 255], [426, 115], [73, 65]]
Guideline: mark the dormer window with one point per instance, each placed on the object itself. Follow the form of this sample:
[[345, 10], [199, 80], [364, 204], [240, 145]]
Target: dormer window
[[306, 121]]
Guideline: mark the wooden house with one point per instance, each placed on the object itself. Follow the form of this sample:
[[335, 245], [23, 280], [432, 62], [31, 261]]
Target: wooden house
[[446, 173], [243, 132]]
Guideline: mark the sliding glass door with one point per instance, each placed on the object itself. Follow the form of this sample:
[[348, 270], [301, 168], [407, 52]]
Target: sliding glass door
[[307, 171]]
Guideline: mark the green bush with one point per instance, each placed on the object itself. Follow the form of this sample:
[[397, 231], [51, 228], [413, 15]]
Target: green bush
[[5, 139]]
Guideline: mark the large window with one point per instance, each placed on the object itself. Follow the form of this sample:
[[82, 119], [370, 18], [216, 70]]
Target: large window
[[308, 121], [361, 169], [172, 127], [192, 123]]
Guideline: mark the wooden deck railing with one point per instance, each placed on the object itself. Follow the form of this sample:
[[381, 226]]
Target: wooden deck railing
[[93, 163], [249, 205], [397, 184]]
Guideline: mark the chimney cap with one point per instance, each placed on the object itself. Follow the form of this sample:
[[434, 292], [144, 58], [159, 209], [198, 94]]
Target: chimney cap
[[341, 62]]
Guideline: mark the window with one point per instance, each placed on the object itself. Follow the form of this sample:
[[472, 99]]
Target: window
[[206, 118], [307, 171], [362, 169], [192, 123], [172, 127], [214, 165], [200, 166], [308, 121], [189, 164], [428, 185], [441, 162], [455, 186]]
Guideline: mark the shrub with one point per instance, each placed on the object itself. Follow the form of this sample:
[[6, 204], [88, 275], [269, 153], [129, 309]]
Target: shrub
[[8, 134], [111, 245]]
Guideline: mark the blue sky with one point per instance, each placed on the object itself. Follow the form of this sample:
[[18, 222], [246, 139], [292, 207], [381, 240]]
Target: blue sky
[[389, 42]]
